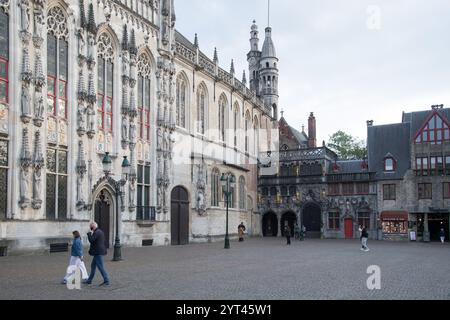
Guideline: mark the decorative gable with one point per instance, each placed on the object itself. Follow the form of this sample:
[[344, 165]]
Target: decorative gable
[[435, 130]]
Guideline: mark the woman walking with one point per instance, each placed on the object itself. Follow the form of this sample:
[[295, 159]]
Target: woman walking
[[76, 259], [241, 231]]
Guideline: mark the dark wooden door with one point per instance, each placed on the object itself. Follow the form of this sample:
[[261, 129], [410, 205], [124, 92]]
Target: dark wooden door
[[179, 210], [348, 227], [312, 221], [270, 225], [103, 216]]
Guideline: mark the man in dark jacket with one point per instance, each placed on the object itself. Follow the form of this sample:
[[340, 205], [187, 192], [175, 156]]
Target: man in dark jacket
[[364, 238], [98, 249]]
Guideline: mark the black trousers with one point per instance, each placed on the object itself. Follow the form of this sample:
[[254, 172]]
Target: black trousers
[[288, 238]]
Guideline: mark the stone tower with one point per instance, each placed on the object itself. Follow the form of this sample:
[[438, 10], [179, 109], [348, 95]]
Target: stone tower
[[268, 73], [253, 58]]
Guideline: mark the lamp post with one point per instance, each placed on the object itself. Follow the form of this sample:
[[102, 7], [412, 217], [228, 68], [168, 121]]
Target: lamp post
[[119, 191], [228, 182]]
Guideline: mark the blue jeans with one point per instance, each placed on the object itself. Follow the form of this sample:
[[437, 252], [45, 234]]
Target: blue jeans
[[97, 262]]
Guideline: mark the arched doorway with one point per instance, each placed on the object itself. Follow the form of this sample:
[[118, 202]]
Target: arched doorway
[[312, 220], [270, 225], [103, 214], [288, 219], [179, 212]]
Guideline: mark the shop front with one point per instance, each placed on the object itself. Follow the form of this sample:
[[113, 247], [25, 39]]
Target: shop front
[[394, 225]]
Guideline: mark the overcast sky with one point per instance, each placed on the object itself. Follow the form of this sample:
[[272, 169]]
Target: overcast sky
[[336, 58]]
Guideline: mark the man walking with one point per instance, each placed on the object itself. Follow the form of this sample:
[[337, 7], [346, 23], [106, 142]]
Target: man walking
[[97, 250], [287, 233], [364, 238], [241, 231]]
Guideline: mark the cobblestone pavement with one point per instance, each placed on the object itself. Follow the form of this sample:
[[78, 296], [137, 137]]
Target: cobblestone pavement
[[255, 269]]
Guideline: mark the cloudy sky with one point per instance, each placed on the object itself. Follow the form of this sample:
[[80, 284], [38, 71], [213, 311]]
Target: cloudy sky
[[348, 61]]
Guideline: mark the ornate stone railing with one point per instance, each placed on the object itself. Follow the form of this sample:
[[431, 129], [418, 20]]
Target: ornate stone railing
[[209, 67]]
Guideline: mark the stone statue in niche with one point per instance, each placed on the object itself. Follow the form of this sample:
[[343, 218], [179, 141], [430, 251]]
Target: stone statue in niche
[[80, 119], [24, 17], [124, 129], [201, 189], [159, 139], [39, 107], [38, 21], [132, 132], [25, 102], [37, 188], [81, 42], [24, 187], [160, 197]]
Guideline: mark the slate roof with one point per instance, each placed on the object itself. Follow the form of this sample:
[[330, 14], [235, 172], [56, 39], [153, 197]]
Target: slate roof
[[391, 139]]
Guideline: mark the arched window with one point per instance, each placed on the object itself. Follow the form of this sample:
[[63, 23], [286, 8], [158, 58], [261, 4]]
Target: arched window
[[201, 110], [242, 193], [247, 130], [222, 117], [105, 83], [236, 123], [181, 102], [144, 96], [215, 187], [57, 108], [4, 59], [57, 63]]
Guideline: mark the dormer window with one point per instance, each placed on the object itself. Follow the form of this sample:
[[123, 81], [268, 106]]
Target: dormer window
[[435, 131], [389, 164]]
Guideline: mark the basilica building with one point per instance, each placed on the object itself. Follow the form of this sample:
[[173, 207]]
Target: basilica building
[[109, 114]]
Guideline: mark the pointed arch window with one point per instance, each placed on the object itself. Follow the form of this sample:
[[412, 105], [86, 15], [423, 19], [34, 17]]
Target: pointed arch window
[[4, 59], [435, 131], [144, 96], [247, 127], [57, 63], [236, 123], [105, 83], [201, 110], [222, 112], [181, 102], [242, 196], [215, 187]]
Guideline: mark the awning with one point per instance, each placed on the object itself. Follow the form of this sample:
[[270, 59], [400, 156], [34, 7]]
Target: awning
[[394, 215]]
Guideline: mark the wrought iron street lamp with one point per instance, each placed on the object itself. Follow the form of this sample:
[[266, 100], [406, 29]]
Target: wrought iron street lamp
[[228, 182], [119, 191]]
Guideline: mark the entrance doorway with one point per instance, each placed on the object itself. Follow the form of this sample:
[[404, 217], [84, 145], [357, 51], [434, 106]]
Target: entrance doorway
[[348, 227], [312, 220], [435, 223], [102, 215], [179, 211], [288, 219], [270, 225]]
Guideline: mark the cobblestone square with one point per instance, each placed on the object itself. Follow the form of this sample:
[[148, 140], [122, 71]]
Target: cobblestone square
[[255, 269]]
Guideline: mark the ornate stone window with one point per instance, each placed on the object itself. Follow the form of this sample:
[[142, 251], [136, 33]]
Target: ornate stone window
[[181, 102], [105, 83], [3, 179], [144, 97], [56, 197], [334, 221], [201, 109], [4, 59], [247, 127], [242, 196], [215, 187], [57, 63], [221, 115]]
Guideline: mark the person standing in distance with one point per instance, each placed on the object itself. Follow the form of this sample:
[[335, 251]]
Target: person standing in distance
[[97, 250]]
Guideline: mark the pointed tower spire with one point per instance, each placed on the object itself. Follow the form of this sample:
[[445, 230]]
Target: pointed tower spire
[[92, 27], [216, 57], [39, 77], [125, 46], [244, 78], [232, 67], [81, 162], [196, 41], [133, 47], [83, 22], [81, 89], [26, 69]]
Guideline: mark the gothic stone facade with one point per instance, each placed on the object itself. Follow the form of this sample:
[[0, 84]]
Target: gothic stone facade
[[79, 78]]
